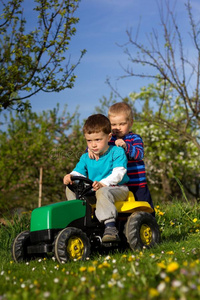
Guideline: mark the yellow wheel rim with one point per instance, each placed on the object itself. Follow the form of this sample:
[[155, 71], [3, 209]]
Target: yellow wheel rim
[[146, 234], [75, 248]]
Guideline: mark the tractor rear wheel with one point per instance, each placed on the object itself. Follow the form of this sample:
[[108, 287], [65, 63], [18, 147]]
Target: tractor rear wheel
[[19, 247], [142, 230], [71, 244]]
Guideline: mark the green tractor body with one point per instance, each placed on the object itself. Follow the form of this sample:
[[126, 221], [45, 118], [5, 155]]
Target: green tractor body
[[70, 230], [57, 216]]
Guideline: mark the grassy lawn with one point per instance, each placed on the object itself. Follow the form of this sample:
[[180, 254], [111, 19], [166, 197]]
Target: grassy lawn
[[171, 270]]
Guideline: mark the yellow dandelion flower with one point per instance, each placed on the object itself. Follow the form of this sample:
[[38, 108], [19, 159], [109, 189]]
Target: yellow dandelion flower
[[110, 284], [35, 282], [170, 252], [115, 276], [195, 220], [192, 264], [100, 266], [161, 265], [131, 258], [91, 269], [153, 293], [82, 269], [106, 264], [173, 266], [167, 279], [92, 289], [152, 255], [161, 213]]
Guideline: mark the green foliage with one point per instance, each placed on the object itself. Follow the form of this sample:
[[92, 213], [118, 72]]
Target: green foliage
[[178, 220], [167, 157], [49, 140], [33, 55], [168, 154]]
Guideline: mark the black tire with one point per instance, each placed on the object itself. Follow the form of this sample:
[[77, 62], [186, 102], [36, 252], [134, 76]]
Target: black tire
[[142, 230], [19, 247], [71, 244]]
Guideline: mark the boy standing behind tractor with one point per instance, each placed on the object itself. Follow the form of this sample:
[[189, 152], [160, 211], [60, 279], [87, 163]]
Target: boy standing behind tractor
[[121, 118]]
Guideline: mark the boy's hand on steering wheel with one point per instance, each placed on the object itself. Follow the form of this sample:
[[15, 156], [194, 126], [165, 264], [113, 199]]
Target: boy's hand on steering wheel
[[97, 185], [67, 179]]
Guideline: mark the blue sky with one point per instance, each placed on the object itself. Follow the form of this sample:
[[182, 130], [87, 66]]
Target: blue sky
[[103, 25]]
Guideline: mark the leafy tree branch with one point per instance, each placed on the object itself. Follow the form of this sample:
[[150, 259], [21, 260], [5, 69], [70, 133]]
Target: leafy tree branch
[[35, 60], [163, 57]]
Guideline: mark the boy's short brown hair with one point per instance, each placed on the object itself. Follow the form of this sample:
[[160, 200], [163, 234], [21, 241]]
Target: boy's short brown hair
[[97, 123], [119, 108]]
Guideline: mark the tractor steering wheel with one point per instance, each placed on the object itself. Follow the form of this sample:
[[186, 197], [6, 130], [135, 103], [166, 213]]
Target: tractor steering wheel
[[80, 186]]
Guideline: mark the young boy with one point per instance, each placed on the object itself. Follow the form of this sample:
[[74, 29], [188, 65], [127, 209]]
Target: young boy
[[121, 119], [108, 173]]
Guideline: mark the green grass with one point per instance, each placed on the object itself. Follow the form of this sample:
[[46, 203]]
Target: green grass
[[171, 270]]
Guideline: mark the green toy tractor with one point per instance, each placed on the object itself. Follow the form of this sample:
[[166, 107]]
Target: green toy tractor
[[69, 230]]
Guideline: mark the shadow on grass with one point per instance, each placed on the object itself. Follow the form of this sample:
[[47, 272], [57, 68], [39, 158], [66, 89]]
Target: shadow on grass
[[175, 237]]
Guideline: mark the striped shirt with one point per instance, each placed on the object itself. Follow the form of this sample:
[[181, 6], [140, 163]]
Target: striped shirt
[[135, 154]]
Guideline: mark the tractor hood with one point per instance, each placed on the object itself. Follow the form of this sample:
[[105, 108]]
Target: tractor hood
[[57, 215]]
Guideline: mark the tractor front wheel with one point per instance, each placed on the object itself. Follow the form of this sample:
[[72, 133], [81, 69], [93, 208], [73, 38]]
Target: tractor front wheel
[[19, 247], [71, 244], [142, 230]]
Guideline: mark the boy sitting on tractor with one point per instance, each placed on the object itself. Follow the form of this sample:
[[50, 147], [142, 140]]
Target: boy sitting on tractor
[[108, 173]]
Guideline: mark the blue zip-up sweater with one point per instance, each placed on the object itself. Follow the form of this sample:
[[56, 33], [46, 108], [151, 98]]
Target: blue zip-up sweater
[[135, 153]]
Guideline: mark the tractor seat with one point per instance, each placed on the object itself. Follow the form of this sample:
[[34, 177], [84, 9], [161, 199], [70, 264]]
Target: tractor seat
[[130, 205]]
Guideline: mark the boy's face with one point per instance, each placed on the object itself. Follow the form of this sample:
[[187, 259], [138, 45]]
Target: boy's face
[[120, 125], [98, 142]]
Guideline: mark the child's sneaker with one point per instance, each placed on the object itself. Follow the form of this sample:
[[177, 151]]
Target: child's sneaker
[[110, 235]]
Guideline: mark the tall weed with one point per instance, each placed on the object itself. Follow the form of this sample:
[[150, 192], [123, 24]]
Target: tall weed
[[179, 218], [12, 227]]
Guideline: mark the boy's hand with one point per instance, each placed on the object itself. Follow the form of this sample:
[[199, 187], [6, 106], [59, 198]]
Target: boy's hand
[[67, 179], [92, 155], [121, 143], [97, 185]]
